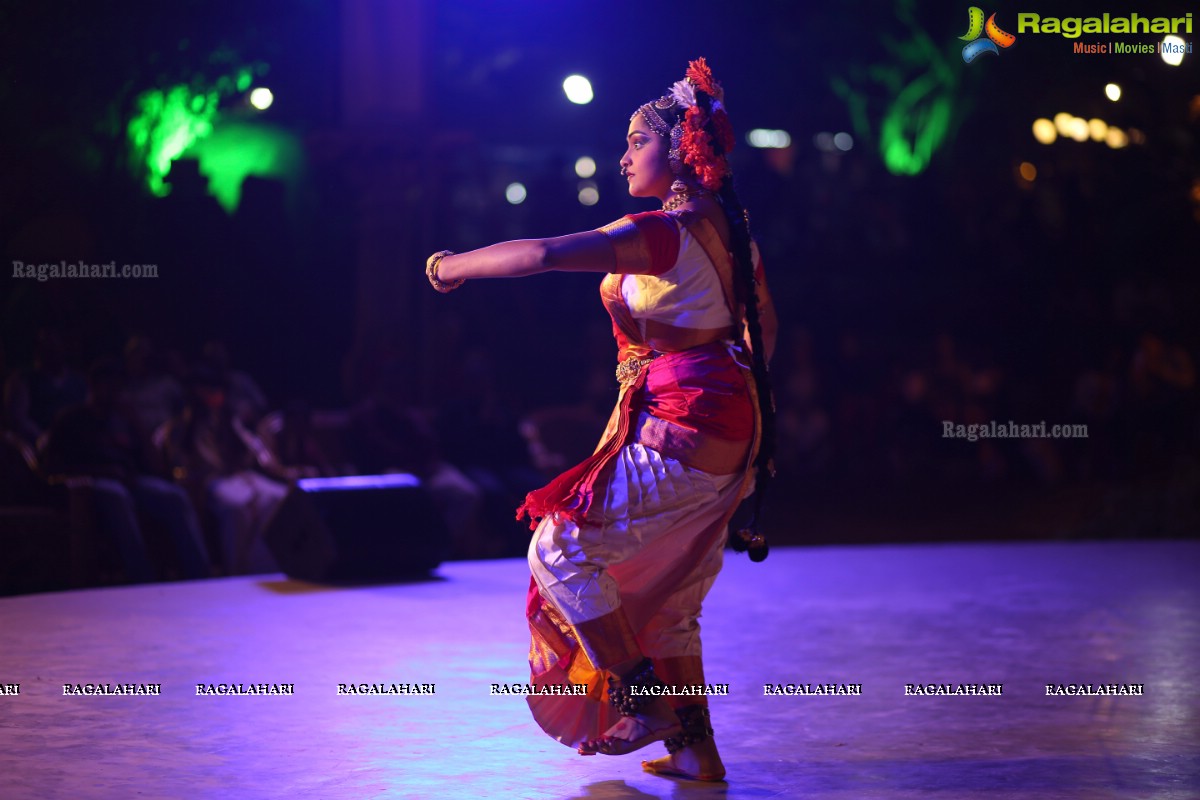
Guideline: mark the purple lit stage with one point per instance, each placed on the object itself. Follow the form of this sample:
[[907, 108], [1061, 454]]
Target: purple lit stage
[[1021, 615]]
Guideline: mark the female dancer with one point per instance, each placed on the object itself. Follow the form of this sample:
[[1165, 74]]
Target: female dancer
[[630, 541]]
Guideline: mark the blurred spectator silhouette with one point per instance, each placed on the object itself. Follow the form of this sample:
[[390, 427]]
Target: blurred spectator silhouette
[[1162, 379], [477, 432], [244, 397], [222, 463], [803, 425], [152, 394], [857, 412], [5, 423], [33, 397], [98, 439], [1097, 400], [290, 436], [386, 436]]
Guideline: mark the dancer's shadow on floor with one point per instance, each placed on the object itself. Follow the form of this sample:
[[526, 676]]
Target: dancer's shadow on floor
[[668, 788], [298, 586]]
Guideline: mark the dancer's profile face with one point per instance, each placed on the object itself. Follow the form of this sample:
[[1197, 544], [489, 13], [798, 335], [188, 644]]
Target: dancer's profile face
[[645, 161]]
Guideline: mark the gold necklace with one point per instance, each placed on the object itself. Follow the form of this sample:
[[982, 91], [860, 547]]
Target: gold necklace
[[683, 197]]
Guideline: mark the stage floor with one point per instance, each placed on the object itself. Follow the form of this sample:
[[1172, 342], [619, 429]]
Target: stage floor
[[1023, 615]]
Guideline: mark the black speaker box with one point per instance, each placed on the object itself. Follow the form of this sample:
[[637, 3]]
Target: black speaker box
[[358, 528]]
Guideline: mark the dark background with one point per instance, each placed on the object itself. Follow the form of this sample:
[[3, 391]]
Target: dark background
[[961, 293]]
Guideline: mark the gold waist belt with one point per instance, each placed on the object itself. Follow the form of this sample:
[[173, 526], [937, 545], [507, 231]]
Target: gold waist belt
[[629, 369]]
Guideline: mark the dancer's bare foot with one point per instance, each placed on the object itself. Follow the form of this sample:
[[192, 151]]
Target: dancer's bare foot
[[656, 722], [697, 762]]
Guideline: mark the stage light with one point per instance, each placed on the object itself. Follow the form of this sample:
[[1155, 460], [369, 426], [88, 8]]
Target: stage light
[[1113, 92], [515, 193], [766, 138], [585, 167], [1028, 171], [578, 89], [823, 141], [262, 98], [1044, 131], [1062, 123], [1116, 138], [168, 122], [1172, 50], [1097, 129], [1078, 129], [843, 141], [589, 193]]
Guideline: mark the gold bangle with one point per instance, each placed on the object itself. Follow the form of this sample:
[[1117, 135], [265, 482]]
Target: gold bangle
[[431, 268]]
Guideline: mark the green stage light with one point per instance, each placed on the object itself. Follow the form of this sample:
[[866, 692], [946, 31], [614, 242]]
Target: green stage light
[[235, 151], [169, 124], [921, 89]]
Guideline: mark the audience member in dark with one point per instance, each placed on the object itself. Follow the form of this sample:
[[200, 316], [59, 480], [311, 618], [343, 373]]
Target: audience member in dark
[[6, 424], [98, 439], [388, 437], [289, 436], [211, 452], [33, 397], [3, 380], [1162, 380], [857, 408], [1097, 401], [477, 431], [152, 394], [246, 400], [804, 426]]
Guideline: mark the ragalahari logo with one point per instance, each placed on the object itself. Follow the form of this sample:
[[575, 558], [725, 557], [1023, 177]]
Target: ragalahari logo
[[976, 46]]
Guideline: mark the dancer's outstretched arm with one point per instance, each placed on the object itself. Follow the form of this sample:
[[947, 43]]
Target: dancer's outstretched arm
[[588, 251]]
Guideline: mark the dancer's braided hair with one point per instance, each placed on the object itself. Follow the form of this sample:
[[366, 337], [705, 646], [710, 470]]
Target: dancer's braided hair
[[745, 283]]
